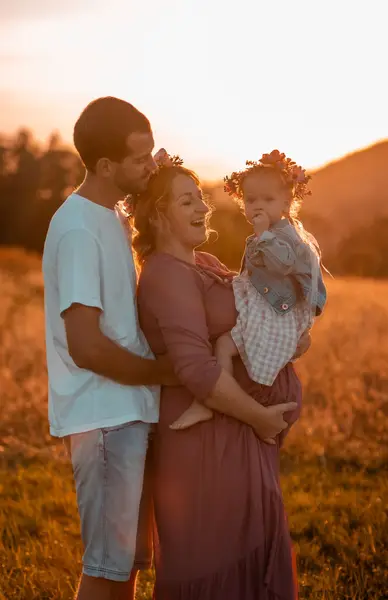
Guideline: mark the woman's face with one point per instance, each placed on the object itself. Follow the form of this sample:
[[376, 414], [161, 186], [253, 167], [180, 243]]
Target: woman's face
[[186, 213]]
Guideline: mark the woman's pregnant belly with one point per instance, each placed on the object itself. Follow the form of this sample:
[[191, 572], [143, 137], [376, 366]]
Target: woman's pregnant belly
[[286, 388]]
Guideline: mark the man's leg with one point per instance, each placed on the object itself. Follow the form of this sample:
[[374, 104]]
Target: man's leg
[[127, 591], [96, 588], [108, 470]]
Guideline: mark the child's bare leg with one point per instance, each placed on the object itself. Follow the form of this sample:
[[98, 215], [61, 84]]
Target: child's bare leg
[[225, 350], [196, 413]]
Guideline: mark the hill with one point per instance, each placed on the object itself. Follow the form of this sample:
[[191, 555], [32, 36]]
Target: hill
[[349, 194], [346, 194]]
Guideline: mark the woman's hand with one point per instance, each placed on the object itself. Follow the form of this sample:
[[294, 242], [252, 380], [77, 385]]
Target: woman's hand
[[271, 422]]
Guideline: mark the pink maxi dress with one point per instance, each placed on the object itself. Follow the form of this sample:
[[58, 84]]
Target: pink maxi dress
[[221, 531]]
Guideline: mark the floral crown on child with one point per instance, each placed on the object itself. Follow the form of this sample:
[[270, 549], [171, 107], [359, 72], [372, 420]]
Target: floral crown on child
[[293, 175]]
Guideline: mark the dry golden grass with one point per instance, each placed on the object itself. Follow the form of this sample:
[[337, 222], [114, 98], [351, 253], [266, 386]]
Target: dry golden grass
[[335, 464]]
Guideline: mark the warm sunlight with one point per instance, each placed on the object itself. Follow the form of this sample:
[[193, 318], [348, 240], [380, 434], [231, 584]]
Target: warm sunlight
[[219, 83], [194, 390]]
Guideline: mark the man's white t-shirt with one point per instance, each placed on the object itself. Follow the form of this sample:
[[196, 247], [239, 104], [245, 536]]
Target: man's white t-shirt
[[87, 260]]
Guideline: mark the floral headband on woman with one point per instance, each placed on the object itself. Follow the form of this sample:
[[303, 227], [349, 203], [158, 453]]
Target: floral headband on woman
[[163, 159], [293, 175]]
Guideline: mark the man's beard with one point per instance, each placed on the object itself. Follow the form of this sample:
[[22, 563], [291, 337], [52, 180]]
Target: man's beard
[[132, 187]]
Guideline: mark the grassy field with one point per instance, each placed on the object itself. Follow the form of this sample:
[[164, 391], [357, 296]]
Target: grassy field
[[334, 466]]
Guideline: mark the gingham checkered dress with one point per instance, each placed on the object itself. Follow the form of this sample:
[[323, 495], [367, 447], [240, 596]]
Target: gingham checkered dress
[[265, 339]]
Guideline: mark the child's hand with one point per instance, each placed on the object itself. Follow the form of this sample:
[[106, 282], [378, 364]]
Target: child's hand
[[261, 223]]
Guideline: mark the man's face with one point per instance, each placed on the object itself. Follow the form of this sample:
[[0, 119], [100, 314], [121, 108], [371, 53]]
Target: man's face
[[132, 174]]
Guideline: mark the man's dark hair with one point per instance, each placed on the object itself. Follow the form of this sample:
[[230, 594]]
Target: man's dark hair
[[103, 127]]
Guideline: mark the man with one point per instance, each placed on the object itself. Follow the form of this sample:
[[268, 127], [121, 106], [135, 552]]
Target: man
[[103, 380]]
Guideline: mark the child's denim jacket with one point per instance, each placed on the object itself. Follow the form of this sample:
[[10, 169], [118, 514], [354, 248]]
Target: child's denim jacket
[[280, 262]]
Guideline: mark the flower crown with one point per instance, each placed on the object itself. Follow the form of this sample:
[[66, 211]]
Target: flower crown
[[163, 159], [293, 175]]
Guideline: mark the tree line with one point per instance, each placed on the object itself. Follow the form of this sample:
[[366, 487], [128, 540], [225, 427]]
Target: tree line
[[35, 179]]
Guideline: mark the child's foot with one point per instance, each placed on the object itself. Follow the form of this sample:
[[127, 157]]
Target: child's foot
[[196, 413]]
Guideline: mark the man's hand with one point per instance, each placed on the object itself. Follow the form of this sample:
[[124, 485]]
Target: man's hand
[[303, 345], [261, 222], [167, 375], [272, 422], [90, 349]]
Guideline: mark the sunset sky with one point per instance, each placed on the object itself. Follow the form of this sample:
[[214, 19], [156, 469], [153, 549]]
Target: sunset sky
[[221, 81]]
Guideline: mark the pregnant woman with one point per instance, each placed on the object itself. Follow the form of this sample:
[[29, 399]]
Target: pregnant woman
[[221, 529]]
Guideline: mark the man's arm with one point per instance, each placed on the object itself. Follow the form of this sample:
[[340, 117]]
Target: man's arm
[[90, 349], [80, 305]]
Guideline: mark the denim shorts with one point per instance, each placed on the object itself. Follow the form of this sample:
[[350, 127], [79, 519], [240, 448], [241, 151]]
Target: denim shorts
[[114, 499]]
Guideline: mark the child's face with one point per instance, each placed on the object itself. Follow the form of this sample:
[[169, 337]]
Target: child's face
[[265, 192]]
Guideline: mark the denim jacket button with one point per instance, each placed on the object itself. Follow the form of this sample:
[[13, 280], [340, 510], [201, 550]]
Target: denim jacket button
[[284, 306], [266, 290]]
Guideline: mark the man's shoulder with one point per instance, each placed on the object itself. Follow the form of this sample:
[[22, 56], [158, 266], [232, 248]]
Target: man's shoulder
[[69, 217], [72, 211], [66, 232]]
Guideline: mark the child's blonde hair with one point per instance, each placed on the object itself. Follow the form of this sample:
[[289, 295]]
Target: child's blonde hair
[[292, 176], [295, 179]]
